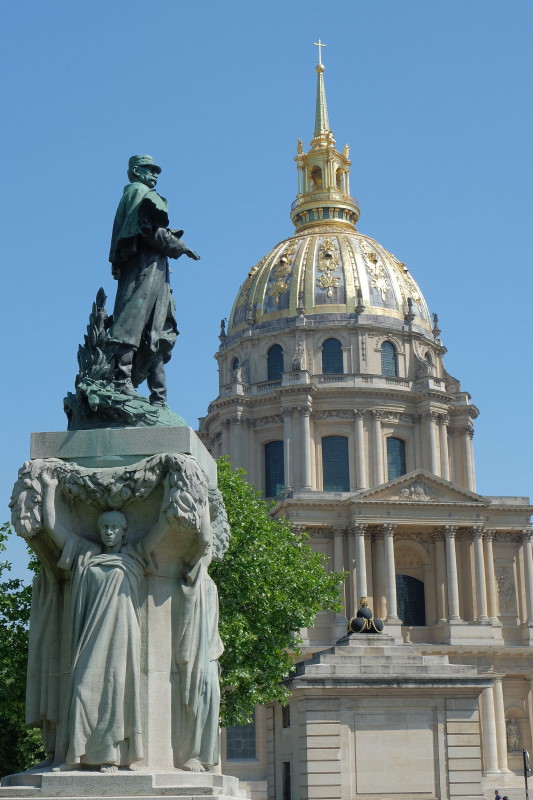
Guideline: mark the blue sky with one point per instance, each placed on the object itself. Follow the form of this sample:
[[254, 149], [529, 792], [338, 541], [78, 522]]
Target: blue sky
[[434, 99]]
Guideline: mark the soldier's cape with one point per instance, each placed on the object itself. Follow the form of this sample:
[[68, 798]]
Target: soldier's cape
[[140, 208]]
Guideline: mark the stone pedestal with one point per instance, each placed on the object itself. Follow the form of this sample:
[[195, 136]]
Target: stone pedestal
[[163, 482], [123, 785], [369, 717]]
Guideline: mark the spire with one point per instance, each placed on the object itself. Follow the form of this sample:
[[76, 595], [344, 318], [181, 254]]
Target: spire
[[321, 116], [323, 172]]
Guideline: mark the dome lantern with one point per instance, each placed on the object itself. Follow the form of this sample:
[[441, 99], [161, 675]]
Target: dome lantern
[[323, 172]]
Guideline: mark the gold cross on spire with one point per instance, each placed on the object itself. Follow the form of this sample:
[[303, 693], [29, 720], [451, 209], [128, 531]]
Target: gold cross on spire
[[320, 46]]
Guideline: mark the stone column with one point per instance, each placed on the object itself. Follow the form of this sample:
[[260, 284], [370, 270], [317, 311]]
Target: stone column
[[501, 731], [476, 535], [360, 562], [361, 470], [379, 575], [225, 438], [338, 566], [492, 590], [451, 573], [440, 575], [287, 448], [527, 538], [379, 475], [419, 458], [433, 464], [470, 476], [488, 727], [352, 576], [305, 415], [236, 438], [390, 572], [443, 442]]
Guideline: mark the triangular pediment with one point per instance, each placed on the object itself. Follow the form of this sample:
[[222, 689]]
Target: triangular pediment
[[421, 486]]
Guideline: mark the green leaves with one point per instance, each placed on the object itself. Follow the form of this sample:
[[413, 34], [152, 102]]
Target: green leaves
[[270, 585], [19, 747]]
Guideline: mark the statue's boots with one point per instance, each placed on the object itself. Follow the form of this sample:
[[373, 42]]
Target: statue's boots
[[123, 368], [157, 381]]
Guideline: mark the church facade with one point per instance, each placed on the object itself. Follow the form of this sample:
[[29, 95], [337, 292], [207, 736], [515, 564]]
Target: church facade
[[335, 399]]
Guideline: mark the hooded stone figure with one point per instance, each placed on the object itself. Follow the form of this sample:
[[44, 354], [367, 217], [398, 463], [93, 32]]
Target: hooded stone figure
[[143, 330]]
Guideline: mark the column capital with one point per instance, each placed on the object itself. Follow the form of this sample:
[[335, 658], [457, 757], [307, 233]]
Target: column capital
[[431, 416], [444, 419], [388, 529], [338, 531], [467, 430], [438, 535], [287, 411], [358, 413], [377, 414], [527, 535], [449, 531], [475, 532], [359, 528], [305, 411]]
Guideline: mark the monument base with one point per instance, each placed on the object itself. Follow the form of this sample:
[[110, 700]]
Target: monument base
[[121, 785]]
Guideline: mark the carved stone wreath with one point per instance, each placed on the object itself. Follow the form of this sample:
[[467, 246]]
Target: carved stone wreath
[[117, 487]]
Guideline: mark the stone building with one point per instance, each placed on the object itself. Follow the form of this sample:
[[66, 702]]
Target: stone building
[[335, 399]]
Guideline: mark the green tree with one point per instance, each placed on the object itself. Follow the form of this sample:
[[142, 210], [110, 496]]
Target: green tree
[[19, 746], [270, 585]]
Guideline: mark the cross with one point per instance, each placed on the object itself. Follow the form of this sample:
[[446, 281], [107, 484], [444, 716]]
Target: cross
[[319, 45]]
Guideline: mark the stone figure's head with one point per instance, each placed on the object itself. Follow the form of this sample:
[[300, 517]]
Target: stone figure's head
[[112, 527], [143, 169]]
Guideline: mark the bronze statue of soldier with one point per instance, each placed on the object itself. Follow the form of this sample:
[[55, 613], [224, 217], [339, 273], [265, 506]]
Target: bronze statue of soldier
[[143, 327]]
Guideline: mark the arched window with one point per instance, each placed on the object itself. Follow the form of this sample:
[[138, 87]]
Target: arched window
[[395, 458], [389, 362], [275, 362], [335, 464], [240, 741], [274, 469], [339, 179], [332, 357], [316, 179], [235, 364], [410, 599]]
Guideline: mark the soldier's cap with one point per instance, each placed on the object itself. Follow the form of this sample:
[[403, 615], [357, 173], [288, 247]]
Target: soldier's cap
[[143, 161]]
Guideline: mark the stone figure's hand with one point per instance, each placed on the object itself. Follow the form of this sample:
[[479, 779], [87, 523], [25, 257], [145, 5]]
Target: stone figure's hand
[[193, 255], [48, 479]]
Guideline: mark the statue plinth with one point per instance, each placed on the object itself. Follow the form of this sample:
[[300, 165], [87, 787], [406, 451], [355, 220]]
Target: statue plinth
[[124, 644]]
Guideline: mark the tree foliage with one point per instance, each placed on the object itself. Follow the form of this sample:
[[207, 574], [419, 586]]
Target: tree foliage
[[19, 746], [270, 585]]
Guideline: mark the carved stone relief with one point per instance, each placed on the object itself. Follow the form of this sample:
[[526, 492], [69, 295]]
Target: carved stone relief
[[506, 589], [418, 491]]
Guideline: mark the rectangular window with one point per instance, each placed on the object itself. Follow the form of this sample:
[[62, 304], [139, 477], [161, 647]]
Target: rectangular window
[[335, 464], [286, 780], [286, 716], [240, 741], [395, 458], [274, 469]]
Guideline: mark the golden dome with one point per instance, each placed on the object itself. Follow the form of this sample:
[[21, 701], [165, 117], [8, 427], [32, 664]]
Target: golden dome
[[329, 270]]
